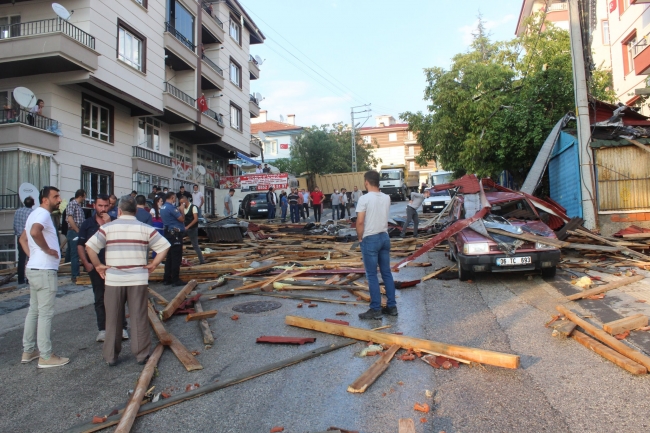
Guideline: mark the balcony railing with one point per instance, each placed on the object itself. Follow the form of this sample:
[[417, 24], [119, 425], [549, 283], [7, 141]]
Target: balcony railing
[[212, 64], [52, 25], [207, 7], [558, 7], [178, 35], [180, 95], [252, 59], [150, 155], [20, 115], [216, 116], [641, 45], [9, 201], [254, 100]]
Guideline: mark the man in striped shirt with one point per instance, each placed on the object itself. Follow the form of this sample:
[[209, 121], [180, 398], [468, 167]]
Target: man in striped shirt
[[126, 273]]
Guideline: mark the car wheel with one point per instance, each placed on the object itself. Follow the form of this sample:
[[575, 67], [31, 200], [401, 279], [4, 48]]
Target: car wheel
[[463, 274], [452, 254], [549, 272]]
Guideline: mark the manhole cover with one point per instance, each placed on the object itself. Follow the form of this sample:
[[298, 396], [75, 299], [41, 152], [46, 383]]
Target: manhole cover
[[256, 307]]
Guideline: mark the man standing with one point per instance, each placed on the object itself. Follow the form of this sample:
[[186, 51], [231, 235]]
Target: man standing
[[344, 203], [372, 231], [336, 205], [112, 206], [197, 199], [266, 169], [293, 205], [152, 194], [356, 195], [142, 214], [75, 217], [305, 203], [126, 274], [191, 215], [412, 212], [182, 193], [20, 218], [41, 240], [87, 231], [228, 208], [134, 193], [316, 198], [272, 201], [174, 229]]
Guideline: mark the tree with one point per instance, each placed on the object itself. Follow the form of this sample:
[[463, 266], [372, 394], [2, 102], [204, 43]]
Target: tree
[[493, 108]]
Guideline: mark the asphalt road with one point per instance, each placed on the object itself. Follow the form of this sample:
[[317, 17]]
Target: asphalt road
[[560, 386]]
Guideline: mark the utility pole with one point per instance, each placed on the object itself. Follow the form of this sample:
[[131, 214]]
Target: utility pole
[[352, 125], [582, 116]]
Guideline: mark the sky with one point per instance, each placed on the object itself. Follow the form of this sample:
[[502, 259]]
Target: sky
[[323, 57]]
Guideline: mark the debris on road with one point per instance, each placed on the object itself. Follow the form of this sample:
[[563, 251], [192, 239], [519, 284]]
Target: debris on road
[[372, 374], [424, 407], [285, 340]]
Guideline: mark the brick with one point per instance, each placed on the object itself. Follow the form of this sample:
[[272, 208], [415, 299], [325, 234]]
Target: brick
[[407, 357], [98, 419], [339, 322], [423, 420], [299, 306], [234, 317], [421, 407], [277, 429], [616, 218], [312, 305]]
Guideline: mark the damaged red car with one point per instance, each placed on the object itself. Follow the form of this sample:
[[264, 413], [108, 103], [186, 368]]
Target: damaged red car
[[477, 250]]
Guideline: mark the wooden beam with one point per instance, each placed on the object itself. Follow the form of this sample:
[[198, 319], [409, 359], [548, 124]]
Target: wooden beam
[[605, 337], [178, 300], [184, 356], [626, 324], [468, 353], [310, 298], [200, 315], [406, 425], [609, 354], [158, 328], [158, 296], [133, 406], [566, 329], [584, 232], [376, 369], [436, 273], [260, 269], [204, 326], [605, 288], [637, 236], [638, 144]]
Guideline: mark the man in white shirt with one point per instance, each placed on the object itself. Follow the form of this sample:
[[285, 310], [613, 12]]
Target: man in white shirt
[[356, 195], [197, 199], [40, 239], [373, 210], [228, 209]]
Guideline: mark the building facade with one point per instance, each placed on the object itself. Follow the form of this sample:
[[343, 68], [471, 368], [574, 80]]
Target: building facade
[[395, 145], [279, 136], [137, 93]]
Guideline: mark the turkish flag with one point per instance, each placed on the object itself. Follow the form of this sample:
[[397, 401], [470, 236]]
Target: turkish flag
[[284, 146], [612, 5], [202, 103]]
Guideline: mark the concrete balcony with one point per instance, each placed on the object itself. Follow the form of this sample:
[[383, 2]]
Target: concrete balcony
[[211, 71], [253, 68], [254, 106], [213, 122], [19, 127], [213, 28], [181, 49], [179, 106], [642, 58], [45, 47], [148, 161]]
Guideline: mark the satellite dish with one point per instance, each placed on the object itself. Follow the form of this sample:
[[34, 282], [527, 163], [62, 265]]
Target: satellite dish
[[27, 190], [262, 136], [24, 97], [61, 11], [281, 118], [258, 96], [259, 60], [200, 169]]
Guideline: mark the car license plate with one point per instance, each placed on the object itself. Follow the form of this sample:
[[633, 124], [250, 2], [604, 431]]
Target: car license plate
[[262, 210], [512, 261]]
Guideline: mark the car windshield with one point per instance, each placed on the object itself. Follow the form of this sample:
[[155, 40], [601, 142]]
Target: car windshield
[[514, 209], [444, 193], [259, 198], [390, 175]]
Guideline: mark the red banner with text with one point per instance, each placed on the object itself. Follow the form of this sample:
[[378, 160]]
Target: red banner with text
[[255, 182]]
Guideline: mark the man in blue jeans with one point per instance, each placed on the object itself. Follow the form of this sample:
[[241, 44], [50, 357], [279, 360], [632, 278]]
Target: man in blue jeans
[[373, 210], [75, 216]]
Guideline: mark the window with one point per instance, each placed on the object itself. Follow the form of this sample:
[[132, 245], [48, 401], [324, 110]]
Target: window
[[605, 29], [95, 181], [142, 3], [9, 27], [97, 119], [392, 136], [367, 139], [628, 52], [235, 29], [149, 133], [17, 167], [271, 147], [412, 165], [183, 22], [143, 182], [235, 117], [131, 46], [409, 135], [235, 73]]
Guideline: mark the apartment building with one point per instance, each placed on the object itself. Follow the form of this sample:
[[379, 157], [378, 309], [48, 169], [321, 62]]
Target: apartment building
[[143, 92], [279, 136], [396, 145]]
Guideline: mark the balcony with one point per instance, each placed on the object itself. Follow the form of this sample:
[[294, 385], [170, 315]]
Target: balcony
[[150, 155], [558, 6], [45, 47], [213, 31], [19, 127], [9, 202], [180, 51], [213, 122], [253, 68], [212, 72], [148, 161], [254, 106], [179, 106], [642, 58]]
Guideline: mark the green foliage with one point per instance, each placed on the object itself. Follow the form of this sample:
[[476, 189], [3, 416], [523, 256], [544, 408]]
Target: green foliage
[[493, 108], [328, 149]]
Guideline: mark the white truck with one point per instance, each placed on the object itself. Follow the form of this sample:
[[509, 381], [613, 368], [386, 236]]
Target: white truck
[[437, 200], [392, 181]]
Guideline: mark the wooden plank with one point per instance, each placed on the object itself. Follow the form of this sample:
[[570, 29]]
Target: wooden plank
[[605, 337], [573, 223], [271, 339], [369, 376], [200, 315], [133, 406], [406, 425], [471, 354], [310, 298], [158, 296], [204, 326], [626, 324], [557, 243], [637, 236], [566, 329], [214, 386], [436, 273], [609, 354], [158, 328], [638, 144], [624, 250], [605, 288], [285, 275], [178, 300], [184, 356], [260, 269]]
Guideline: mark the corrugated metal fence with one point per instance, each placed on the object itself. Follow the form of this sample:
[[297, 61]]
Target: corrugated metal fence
[[623, 175]]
